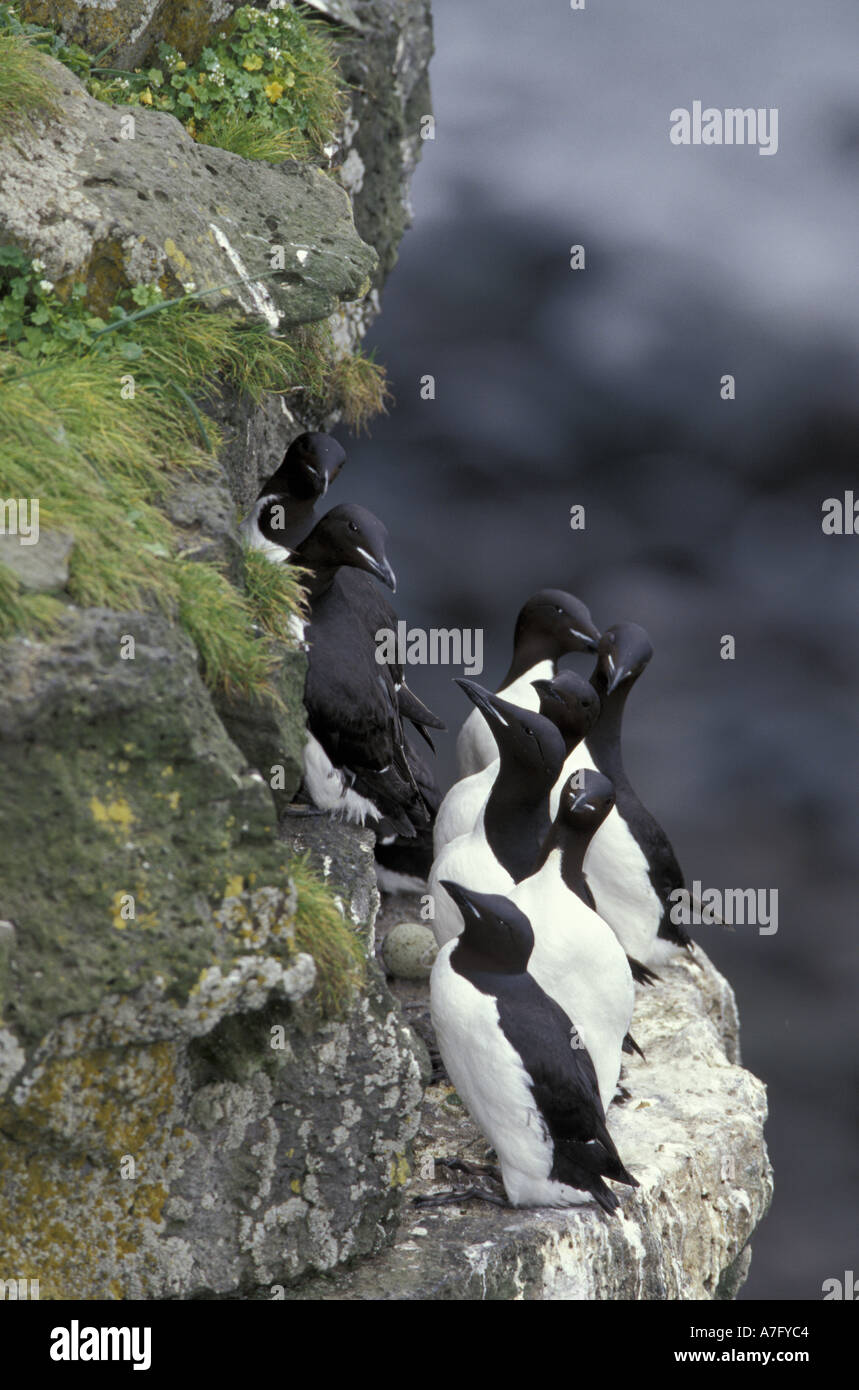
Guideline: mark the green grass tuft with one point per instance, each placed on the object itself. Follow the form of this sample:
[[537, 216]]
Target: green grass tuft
[[322, 931], [358, 389], [252, 138], [274, 593], [354, 385], [218, 619], [38, 613], [102, 462], [26, 86]]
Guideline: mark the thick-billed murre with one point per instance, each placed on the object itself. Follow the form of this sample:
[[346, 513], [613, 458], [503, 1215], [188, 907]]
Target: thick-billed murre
[[577, 959], [513, 1055], [283, 513], [569, 701], [355, 759], [550, 624], [504, 844], [630, 866]]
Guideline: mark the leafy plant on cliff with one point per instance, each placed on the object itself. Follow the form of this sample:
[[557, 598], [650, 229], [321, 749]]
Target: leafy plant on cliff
[[266, 87]]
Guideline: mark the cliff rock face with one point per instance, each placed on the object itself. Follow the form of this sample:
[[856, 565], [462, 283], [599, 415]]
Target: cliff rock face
[[691, 1133], [160, 208], [180, 1115]]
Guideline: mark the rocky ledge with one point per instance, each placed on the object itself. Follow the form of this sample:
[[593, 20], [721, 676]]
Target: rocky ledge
[[692, 1133]]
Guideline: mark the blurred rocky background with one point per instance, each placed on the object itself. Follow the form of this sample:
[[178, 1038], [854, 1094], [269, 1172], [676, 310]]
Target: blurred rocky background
[[602, 387]]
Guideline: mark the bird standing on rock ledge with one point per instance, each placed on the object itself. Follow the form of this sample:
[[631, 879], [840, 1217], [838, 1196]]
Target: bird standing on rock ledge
[[515, 1058]]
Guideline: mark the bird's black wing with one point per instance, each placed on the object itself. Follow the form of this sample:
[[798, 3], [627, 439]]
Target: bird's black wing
[[371, 606], [352, 711], [564, 1086], [665, 872]]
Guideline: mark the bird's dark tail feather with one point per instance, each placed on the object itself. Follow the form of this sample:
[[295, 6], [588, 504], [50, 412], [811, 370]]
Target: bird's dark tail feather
[[642, 974]]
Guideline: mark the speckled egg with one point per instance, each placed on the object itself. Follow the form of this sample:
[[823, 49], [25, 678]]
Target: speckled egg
[[409, 950]]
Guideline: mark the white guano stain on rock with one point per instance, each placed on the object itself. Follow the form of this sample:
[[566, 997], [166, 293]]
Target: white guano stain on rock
[[260, 301]]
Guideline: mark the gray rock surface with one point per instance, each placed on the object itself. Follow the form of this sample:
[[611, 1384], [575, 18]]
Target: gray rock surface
[[42, 567], [132, 28], [159, 207], [342, 855], [388, 67], [176, 1119], [692, 1134]]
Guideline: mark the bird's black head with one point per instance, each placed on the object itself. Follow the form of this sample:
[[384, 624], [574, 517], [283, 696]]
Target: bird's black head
[[623, 653], [554, 622], [524, 737], [571, 703], [348, 535], [586, 799], [497, 935], [310, 465]]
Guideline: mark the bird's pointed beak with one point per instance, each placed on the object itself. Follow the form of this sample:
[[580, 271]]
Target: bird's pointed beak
[[542, 687], [616, 671], [483, 699], [381, 569], [460, 896]]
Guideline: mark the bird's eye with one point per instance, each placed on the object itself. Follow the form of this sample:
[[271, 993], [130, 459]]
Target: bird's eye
[[560, 610], [352, 526]]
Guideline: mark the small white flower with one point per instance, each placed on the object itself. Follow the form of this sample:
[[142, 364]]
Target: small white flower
[[190, 285], [46, 286], [38, 265]]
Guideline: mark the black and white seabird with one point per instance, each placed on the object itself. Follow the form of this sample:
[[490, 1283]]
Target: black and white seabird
[[577, 959], [507, 1049], [355, 759], [403, 863], [283, 513], [630, 866], [569, 701], [505, 842], [550, 624]]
